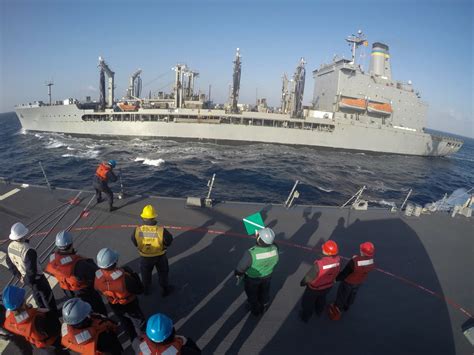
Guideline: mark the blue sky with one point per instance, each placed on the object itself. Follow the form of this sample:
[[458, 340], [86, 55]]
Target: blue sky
[[430, 43]]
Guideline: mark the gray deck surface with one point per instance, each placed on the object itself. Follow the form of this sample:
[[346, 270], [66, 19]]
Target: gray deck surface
[[391, 314]]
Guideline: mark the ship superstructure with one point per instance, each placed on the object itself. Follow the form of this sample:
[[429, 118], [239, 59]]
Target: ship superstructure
[[351, 109]]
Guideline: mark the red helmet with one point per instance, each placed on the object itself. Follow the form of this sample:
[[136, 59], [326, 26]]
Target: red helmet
[[330, 248], [367, 248]]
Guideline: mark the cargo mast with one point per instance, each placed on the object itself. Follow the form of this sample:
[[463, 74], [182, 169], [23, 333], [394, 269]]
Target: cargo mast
[[298, 82], [49, 84], [234, 96], [104, 68], [135, 85], [180, 69]]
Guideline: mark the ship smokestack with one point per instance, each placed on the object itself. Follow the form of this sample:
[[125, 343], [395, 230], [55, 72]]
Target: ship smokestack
[[380, 61]]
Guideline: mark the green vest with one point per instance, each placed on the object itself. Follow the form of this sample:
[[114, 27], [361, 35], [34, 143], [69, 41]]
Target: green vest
[[264, 260]]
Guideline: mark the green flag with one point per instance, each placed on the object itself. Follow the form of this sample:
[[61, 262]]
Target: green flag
[[253, 223]]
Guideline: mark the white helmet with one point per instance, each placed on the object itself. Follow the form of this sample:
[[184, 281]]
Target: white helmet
[[266, 235], [18, 231]]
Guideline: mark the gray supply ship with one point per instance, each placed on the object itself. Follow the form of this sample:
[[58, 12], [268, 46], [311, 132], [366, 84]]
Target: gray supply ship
[[351, 109]]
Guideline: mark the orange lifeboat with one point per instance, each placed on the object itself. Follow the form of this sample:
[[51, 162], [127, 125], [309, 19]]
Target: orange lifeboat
[[353, 104], [127, 107], [380, 108]]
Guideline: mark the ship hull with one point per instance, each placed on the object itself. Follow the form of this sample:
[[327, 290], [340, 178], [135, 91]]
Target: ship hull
[[347, 136]]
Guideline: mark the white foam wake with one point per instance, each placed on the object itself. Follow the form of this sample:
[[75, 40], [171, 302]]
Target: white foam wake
[[323, 189], [54, 144], [152, 162]]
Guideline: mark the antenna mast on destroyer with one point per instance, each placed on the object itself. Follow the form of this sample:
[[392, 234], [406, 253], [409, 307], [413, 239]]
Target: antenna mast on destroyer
[[234, 96], [104, 68]]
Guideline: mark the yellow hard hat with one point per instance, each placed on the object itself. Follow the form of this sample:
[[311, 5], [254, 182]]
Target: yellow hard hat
[[148, 212]]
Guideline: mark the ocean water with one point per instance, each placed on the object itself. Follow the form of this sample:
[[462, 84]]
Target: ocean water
[[252, 172]]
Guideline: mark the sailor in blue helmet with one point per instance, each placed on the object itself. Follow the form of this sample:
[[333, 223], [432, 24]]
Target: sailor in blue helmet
[[40, 327], [103, 174], [161, 338]]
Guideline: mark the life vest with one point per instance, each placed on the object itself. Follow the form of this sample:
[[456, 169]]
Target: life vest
[[362, 266], [264, 260], [329, 267], [61, 266], [17, 253], [148, 347], [111, 283], [84, 340], [102, 170], [150, 240], [23, 324]]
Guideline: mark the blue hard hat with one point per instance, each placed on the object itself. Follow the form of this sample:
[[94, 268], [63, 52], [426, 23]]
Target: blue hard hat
[[159, 327], [106, 258], [75, 311], [13, 297], [63, 239], [112, 163]]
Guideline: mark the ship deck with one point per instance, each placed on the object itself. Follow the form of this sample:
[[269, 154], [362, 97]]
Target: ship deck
[[414, 303]]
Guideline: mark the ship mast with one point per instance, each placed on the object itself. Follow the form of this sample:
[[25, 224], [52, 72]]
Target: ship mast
[[49, 84], [180, 69], [104, 68], [234, 96], [355, 41], [135, 85], [298, 82]]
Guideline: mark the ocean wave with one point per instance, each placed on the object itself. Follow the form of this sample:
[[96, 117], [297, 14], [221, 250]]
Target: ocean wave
[[152, 162], [361, 170], [323, 189], [70, 148], [54, 144], [89, 154]]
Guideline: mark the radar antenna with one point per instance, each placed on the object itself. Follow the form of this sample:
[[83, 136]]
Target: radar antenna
[[356, 41]]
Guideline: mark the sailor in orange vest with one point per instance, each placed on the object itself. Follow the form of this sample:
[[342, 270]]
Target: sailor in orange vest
[[151, 241], [319, 281], [161, 338], [75, 274], [39, 326], [103, 174], [351, 277], [120, 286], [88, 333]]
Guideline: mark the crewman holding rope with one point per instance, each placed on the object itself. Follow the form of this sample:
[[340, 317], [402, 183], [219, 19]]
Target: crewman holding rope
[[120, 286], [103, 174], [319, 281], [161, 338], [39, 326], [75, 274], [22, 261], [256, 266], [88, 333], [351, 277], [152, 241]]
